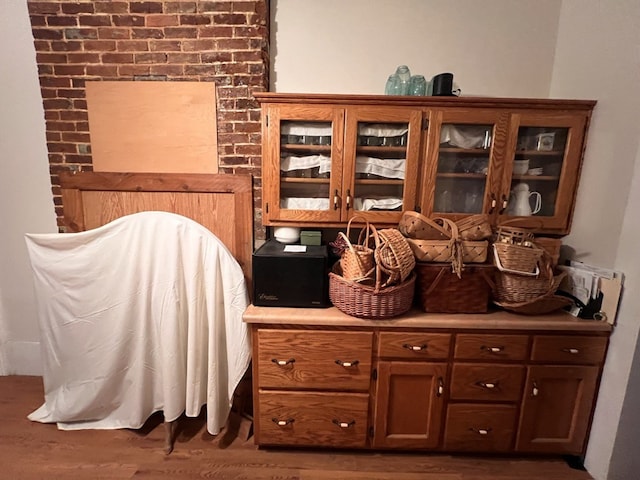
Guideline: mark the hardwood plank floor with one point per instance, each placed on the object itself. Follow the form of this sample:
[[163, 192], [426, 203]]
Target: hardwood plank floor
[[30, 450]]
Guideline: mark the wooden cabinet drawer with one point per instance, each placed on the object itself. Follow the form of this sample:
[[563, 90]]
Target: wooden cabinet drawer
[[414, 345], [487, 382], [480, 428], [335, 360], [569, 349], [471, 346], [313, 418]]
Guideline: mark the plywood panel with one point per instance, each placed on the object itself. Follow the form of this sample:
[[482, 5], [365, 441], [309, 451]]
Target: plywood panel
[[166, 127]]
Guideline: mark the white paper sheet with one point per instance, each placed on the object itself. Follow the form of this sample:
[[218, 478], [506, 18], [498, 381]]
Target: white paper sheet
[[140, 315]]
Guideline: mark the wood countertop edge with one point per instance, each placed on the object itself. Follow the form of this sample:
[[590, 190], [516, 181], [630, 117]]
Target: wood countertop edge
[[496, 320]]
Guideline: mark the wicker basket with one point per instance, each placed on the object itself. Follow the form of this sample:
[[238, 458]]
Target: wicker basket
[[441, 291], [364, 301], [517, 289], [518, 259], [513, 235], [440, 251], [357, 261], [474, 227], [394, 256], [540, 306], [414, 225]]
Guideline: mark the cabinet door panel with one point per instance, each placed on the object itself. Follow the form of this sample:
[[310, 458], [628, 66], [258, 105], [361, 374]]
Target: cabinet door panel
[[480, 428], [462, 175], [302, 166], [313, 418], [487, 382], [314, 359], [556, 409], [382, 147], [409, 405], [541, 174]]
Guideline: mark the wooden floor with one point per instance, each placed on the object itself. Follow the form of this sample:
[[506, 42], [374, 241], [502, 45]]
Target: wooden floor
[[30, 450]]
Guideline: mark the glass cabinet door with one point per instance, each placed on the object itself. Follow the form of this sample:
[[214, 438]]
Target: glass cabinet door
[[381, 163], [462, 167], [543, 169], [308, 165]]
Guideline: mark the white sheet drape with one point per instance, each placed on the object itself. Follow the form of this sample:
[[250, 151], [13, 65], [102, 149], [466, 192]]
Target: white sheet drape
[[140, 315]]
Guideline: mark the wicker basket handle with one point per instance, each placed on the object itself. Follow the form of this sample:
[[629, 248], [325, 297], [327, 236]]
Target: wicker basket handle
[[366, 228], [507, 270], [423, 218]]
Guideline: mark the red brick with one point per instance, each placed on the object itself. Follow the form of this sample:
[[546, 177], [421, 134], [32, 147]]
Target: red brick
[[66, 46], [80, 33], [170, 70], [45, 69], [247, 56], [70, 93], [155, 33], [150, 58], [215, 31], [80, 104], [43, 7], [111, 7], [145, 7], [58, 21], [117, 58], [48, 93], [165, 45], [38, 20], [230, 19], [73, 8], [218, 6], [132, 46], [195, 20], [183, 58], [83, 58], [114, 33], [80, 159], [96, 21], [232, 44], [180, 32], [215, 57], [73, 115], [47, 34], [56, 147], [131, 70], [128, 20], [100, 46], [180, 7], [76, 137], [162, 21], [198, 45], [69, 69]]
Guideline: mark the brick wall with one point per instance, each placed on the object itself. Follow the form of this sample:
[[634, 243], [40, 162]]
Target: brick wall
[[225, 42]]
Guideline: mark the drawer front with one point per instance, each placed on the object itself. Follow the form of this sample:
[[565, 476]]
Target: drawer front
[[480, 428], [423, 346], [314, 359], [487, 382], [470, 346], [569, 349], [313, 418]]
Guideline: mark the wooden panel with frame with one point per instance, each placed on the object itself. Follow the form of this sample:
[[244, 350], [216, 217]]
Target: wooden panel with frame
[[221, 203]]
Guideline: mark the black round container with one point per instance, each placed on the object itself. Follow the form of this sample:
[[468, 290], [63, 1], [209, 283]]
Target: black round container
[[443, 85]]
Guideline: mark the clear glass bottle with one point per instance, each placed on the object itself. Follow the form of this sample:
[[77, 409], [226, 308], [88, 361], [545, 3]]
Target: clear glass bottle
[[405, 76], [393, 86], [417, 85]]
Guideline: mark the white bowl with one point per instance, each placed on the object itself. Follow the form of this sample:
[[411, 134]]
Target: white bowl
[[287, 234], [520, 167]]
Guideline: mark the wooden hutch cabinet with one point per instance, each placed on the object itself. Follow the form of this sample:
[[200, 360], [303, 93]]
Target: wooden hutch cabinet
[[497, 382], [329, 157]]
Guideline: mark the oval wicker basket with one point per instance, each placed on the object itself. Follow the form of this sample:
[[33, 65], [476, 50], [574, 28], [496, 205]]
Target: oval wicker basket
[[394, 255], [364, 301]]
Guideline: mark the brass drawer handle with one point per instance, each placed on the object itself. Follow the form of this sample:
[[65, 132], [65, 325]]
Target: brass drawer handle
[[335, 200], [487, 385], [282, 363], [492, 349], [282, 423], [344, 424], [415, 348], [572, 351], [348, 364], [534, 390], [481, 431], [440, 389]]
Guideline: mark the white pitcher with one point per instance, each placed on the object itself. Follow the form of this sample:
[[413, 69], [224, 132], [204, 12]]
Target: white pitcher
[[519, 203]]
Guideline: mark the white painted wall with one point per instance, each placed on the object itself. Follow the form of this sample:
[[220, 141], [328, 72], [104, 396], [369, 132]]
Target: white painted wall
[[26, 204], [493, 47], [598, 56]]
